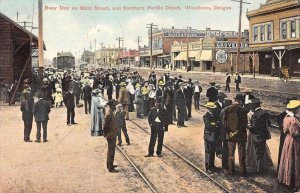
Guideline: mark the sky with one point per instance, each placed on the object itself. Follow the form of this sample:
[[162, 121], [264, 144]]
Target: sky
[[73, 30]]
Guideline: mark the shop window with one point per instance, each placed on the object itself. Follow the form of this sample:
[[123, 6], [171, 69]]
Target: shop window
[[255, 34], [269, 32], [284, 30], [293, 29]]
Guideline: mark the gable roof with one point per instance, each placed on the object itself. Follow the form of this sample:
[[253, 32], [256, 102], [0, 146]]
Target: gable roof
[[34, 37]]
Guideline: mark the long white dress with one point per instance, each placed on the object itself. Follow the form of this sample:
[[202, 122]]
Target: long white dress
[[97, 115]]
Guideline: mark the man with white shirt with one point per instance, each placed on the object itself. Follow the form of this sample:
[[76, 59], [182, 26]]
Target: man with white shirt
[[197, 90], [158, 122]]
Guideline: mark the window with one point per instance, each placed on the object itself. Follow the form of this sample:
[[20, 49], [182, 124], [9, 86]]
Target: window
[[262, 33], [269, 32], [255, 32], [284, 30], [293, 29]]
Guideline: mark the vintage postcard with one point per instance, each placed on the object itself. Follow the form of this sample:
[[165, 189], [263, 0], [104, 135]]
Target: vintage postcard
[[118, 96]]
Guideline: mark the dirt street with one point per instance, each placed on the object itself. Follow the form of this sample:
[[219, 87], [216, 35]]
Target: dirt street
[[72, 160]]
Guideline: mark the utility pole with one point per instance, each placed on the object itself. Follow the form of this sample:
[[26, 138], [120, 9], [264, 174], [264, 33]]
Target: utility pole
[[17, 17], [41, 41], [151, 26], [239, 34], [95, 52], [187, 49], [120, 39], [138, 41]]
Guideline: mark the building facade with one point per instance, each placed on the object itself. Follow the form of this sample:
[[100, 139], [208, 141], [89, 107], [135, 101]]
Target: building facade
[[107, 56], [275, 36]]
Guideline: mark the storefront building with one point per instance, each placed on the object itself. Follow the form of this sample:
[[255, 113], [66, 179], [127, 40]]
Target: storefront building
[[275, 36]]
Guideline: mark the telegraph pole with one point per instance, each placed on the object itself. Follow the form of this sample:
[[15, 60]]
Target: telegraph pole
[[119, 40], [138, 41], [187, 49], [239, 34], [40, 40], [95, 51], [150, 26]]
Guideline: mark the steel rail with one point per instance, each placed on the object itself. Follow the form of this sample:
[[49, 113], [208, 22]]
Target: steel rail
[[138, 170], [187, 161]]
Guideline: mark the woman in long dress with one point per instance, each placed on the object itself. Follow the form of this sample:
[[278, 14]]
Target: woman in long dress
[[289, 168], [97, 115]]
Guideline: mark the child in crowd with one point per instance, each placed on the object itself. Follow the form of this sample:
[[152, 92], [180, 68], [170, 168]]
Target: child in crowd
[[120, 117], [58, 98]]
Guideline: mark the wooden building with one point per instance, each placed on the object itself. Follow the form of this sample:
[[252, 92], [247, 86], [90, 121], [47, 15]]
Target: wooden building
[[16, 46], [275, 36]]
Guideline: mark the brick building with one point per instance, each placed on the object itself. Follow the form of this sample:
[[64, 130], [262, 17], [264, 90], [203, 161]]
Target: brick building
[[275, 36]]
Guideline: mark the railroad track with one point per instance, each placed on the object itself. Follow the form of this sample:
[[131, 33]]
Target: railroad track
[[149, 184], [192, 165]]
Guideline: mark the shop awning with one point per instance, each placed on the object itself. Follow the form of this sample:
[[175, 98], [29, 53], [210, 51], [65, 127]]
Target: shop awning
[[163, 56], [195, 54], [181, 56], [206, 55]]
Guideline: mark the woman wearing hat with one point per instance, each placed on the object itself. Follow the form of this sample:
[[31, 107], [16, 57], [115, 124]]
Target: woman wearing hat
[[97, 117], [289, 168]]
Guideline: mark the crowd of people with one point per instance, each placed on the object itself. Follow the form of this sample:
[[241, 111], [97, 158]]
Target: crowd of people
[[165, 101]]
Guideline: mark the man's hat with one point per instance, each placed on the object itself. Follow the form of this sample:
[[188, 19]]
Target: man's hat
[[218, 86], [255, 101], [122, 84], [222, 95], [287, 100], [293, 104], [248, 91], [137, 85], [161, 83], [239, 97], [96, 91], [180, 76], [196, 81], [58, 89], [211, 105], [212, 83], [45, 80], [111, 102]]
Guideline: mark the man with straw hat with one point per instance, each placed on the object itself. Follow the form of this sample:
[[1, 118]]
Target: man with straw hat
[[288, 173], [210, 132], [159, 90]]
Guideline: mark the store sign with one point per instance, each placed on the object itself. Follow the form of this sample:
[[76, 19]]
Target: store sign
[[226, 44], [221, 56]]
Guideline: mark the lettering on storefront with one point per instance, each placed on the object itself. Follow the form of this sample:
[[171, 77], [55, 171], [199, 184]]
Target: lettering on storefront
[[225, 44]]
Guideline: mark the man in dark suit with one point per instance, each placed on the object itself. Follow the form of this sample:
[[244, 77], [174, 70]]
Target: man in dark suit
[[109, 88], [159, 124], [70, 105], [210, 132], [260, 132], [235, 124], [27, 103], [238, 81], [86, 95], [212, 93], [110, 133], [197, 89], [41, 110], [227, 81], [181, 106], [189, 98], [159, 90], [168, 101]]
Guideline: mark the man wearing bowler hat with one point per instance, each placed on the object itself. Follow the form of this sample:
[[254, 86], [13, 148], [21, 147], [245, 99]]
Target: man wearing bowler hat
[[235, 124], [110, 133], [181, 105], [158, 122], [212, 93]]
